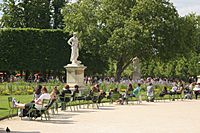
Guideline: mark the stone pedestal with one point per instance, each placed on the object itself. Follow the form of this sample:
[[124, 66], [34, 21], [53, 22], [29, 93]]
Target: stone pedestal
[[198, 79], [75, 75]]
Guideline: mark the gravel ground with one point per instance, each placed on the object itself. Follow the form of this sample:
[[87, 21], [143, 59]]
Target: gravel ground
[[160, 117]]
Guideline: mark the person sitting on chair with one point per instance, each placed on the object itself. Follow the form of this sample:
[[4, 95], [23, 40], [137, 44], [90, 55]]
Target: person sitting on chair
[[37, 92], [119, 97], [37, 103], [164, 92], [128, 93], [76, 91], [65, 90], [136, 93], [64, 99]]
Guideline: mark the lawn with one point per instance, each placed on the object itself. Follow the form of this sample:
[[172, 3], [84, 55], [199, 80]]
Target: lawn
[[4, 107]]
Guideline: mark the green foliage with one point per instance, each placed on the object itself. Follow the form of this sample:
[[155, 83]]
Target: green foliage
[[57, 17], [111, 33], [181, 68], [42, 14], [33, 49], [82, 17], [123, 30], [24, 88], [158, 20]]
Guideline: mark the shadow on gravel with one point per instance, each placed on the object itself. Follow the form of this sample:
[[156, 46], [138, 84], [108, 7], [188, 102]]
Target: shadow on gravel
[[57, 121], [23, 132], [4, 131], [84, 111]]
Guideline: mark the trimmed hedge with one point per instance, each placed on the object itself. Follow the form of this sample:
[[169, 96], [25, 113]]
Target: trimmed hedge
[[33, 49]]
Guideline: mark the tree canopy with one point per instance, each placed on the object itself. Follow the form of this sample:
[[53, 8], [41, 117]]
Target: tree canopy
[[43, 14], [111, 33], [148, 29]]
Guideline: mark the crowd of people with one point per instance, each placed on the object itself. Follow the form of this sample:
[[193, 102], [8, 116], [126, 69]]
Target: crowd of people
[[96, 93]]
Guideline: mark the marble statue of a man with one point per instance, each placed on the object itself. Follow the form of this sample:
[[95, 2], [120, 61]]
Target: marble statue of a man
[[73, 42]]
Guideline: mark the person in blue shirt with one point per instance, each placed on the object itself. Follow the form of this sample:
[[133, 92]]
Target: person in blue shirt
[[136, 91]]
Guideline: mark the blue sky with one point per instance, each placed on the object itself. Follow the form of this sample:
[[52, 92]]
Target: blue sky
[[183, 6]]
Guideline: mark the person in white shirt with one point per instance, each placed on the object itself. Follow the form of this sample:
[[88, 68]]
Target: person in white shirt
[[37, 102], [150, 92]]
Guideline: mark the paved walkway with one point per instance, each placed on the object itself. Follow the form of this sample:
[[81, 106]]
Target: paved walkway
[[168, 117]]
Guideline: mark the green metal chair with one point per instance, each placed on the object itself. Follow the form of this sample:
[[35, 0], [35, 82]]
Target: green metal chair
[[54, 107], [115, 97], [11, 107], [95, 97], [77, 100], [44, 110], [93, 100]]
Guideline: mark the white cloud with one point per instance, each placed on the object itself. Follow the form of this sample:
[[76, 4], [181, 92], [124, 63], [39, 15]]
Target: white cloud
[[185, 7]]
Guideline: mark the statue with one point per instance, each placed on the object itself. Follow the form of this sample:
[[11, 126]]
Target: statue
[[73, 42], [136, 68]]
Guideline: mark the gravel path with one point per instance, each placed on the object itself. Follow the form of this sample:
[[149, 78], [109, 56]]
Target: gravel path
[[160, 117]]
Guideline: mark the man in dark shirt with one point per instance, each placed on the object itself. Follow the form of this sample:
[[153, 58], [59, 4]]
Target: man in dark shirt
[[63, 98], [65, 90]]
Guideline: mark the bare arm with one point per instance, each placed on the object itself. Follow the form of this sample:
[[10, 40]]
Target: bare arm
[[70, 41], [38, 101]]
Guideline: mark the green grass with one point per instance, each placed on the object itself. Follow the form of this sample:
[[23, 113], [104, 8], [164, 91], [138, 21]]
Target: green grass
[[4, 107]]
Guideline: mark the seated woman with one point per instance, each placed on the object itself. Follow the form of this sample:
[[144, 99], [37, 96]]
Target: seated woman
[[180, 89], [173, 90], [54, 94], [187, 92], [128, 93], [109, 94], [37, 102], [94, 93], [37, 92], [164, 92], [129, 90], [75, 92], [101, 95]]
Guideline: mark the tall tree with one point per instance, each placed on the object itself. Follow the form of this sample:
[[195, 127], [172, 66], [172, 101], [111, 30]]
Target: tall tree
[[159, 22], [42, 14], [36, 13], [123, 30], [12, 14], [57, 17]]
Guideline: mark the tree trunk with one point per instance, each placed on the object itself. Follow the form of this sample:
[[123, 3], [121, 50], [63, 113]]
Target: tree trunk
[[119, 72], [121, 66]]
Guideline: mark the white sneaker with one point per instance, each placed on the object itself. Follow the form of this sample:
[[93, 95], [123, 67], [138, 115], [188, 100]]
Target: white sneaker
[[14, 102]]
